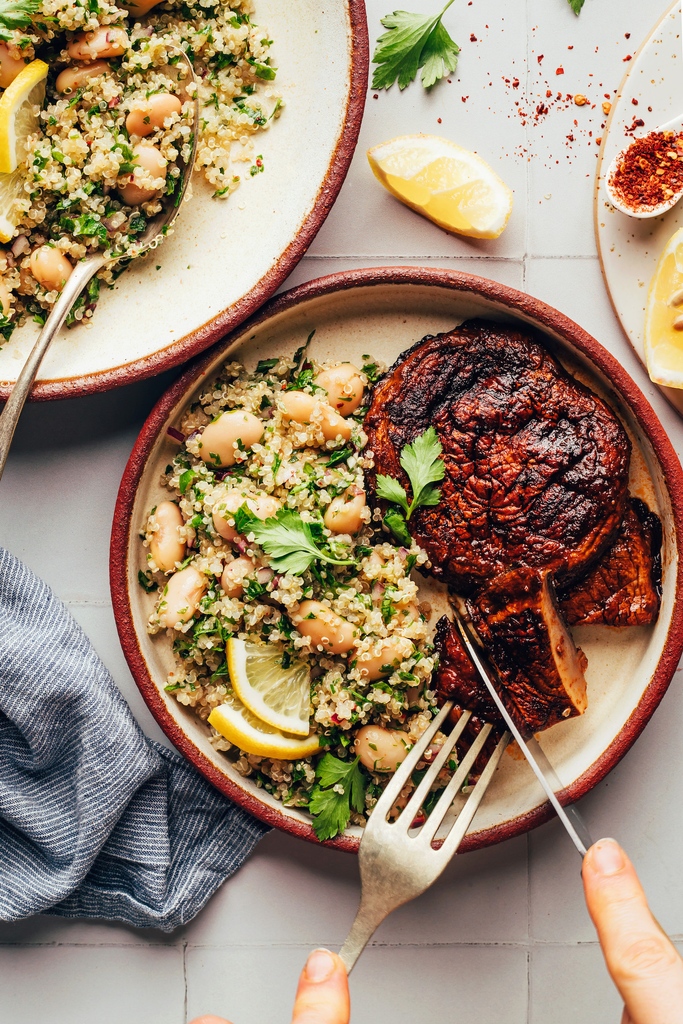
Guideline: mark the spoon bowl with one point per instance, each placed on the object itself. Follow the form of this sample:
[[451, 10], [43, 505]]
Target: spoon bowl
[[643, 213]]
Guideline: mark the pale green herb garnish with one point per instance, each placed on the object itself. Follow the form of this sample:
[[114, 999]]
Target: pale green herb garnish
[[413, 41], [331, 809], [291, 544], [424, 466]]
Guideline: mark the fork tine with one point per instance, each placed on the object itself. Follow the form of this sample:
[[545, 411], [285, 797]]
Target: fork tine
[[442, 806], [417, 798], [406, 769], [464, 819]]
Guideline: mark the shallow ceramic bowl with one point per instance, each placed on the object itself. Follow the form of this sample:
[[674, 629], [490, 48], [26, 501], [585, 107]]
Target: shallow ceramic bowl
[[652, 92], [225, 258], [382, 312]]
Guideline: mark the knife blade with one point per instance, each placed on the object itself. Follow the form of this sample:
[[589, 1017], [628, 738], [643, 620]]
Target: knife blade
[[531, 748]]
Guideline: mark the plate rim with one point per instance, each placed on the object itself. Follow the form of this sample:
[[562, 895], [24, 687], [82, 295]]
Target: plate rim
[[229, 320], [673, 396], [518, 302]]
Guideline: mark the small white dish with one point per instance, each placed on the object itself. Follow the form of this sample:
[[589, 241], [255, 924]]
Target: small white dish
[[675, 125]]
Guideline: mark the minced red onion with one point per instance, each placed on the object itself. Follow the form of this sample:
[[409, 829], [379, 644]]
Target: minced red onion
[[20, 245], [264, 575]]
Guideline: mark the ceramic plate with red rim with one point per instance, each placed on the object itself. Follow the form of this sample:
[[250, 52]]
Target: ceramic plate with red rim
[[650, 95], [225, 258], [382, 312]]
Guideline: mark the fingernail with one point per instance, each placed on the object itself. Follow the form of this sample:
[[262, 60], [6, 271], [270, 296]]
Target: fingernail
[[607, 857], [320, 965]]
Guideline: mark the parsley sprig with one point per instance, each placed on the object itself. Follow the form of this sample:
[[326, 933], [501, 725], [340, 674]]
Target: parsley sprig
[[291, 544], [413, 42], [16, 14], [339, 788], [424, 466]]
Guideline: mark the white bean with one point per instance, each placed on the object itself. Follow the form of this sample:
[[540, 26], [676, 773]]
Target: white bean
[[74, 78], [234, 574], [381, 750], [9, 66], [181, 597], [50, 267], [301, 407], [148, 161], [106, 41], [262, 506], [323, 627], [344, 387], [5, 297], [151, 113], [345, 513], [165, 544], [218, 443], [388, 655]]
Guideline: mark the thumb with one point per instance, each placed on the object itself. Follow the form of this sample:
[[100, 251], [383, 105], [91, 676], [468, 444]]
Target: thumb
[[323, 993], [642, 961]]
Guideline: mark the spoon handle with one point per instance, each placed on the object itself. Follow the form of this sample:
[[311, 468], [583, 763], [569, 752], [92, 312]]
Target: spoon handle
[[82, 273]]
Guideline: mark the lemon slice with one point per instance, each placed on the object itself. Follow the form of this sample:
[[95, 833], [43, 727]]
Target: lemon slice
[[663, 340], [19, 118], [279, 696], [449, 185], [250, 734]]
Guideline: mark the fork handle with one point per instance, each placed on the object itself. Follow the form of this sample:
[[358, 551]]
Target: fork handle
[[368, 919]]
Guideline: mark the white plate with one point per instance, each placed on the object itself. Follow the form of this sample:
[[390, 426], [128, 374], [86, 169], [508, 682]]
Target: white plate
[[226, 258], [383, 312], [629, 248]]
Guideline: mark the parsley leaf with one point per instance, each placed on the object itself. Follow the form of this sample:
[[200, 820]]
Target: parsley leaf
[[146, 582], [396, 524], [423, 463], [331, 810], [412, 42], [286, 538], [576, 5], [17, 13]]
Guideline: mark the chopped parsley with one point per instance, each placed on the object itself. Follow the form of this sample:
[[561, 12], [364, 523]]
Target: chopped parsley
[[339, 789]]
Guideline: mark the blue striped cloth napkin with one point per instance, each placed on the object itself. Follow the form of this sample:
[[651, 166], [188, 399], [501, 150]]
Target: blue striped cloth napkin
[[95, 819]]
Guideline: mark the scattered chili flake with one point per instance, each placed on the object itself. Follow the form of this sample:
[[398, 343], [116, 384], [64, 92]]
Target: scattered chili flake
[[559, 71], [628, 57], [634, 101], [473, 38], [540, 57], [651, 171], [606, 106], [580, 100]]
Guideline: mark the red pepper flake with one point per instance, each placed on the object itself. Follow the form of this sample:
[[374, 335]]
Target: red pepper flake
[[651, 171], [598, 141], [540, 57], [570, 47], [627, 57], [548, 94], [515, 83], [559, 71], [637, 123], [464, 98], [375, 95], [634, 101], [627, 35], [473, 38], [438, 120]]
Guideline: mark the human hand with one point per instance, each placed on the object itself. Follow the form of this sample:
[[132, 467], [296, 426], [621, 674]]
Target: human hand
[[322, 996], [641, 959]]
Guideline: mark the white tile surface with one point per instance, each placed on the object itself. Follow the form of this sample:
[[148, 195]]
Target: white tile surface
[[501, 925]]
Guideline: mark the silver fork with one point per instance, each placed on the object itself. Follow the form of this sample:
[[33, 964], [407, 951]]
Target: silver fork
[[398, 860]]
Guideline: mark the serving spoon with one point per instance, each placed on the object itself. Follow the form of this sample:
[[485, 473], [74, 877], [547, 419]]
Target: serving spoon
[[83, 272], [643, 213]]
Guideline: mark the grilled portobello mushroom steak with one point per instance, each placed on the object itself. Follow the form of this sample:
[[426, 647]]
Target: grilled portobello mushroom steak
[[535, 492]]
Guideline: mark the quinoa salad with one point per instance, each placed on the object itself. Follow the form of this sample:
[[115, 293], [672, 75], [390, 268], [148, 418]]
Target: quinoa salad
[[267, 543], [115, 128]]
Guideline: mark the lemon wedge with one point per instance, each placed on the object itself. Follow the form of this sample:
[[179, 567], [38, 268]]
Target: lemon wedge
[[664, 317], [19, 118], [280, 697], [250, 734], [449, 185]]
